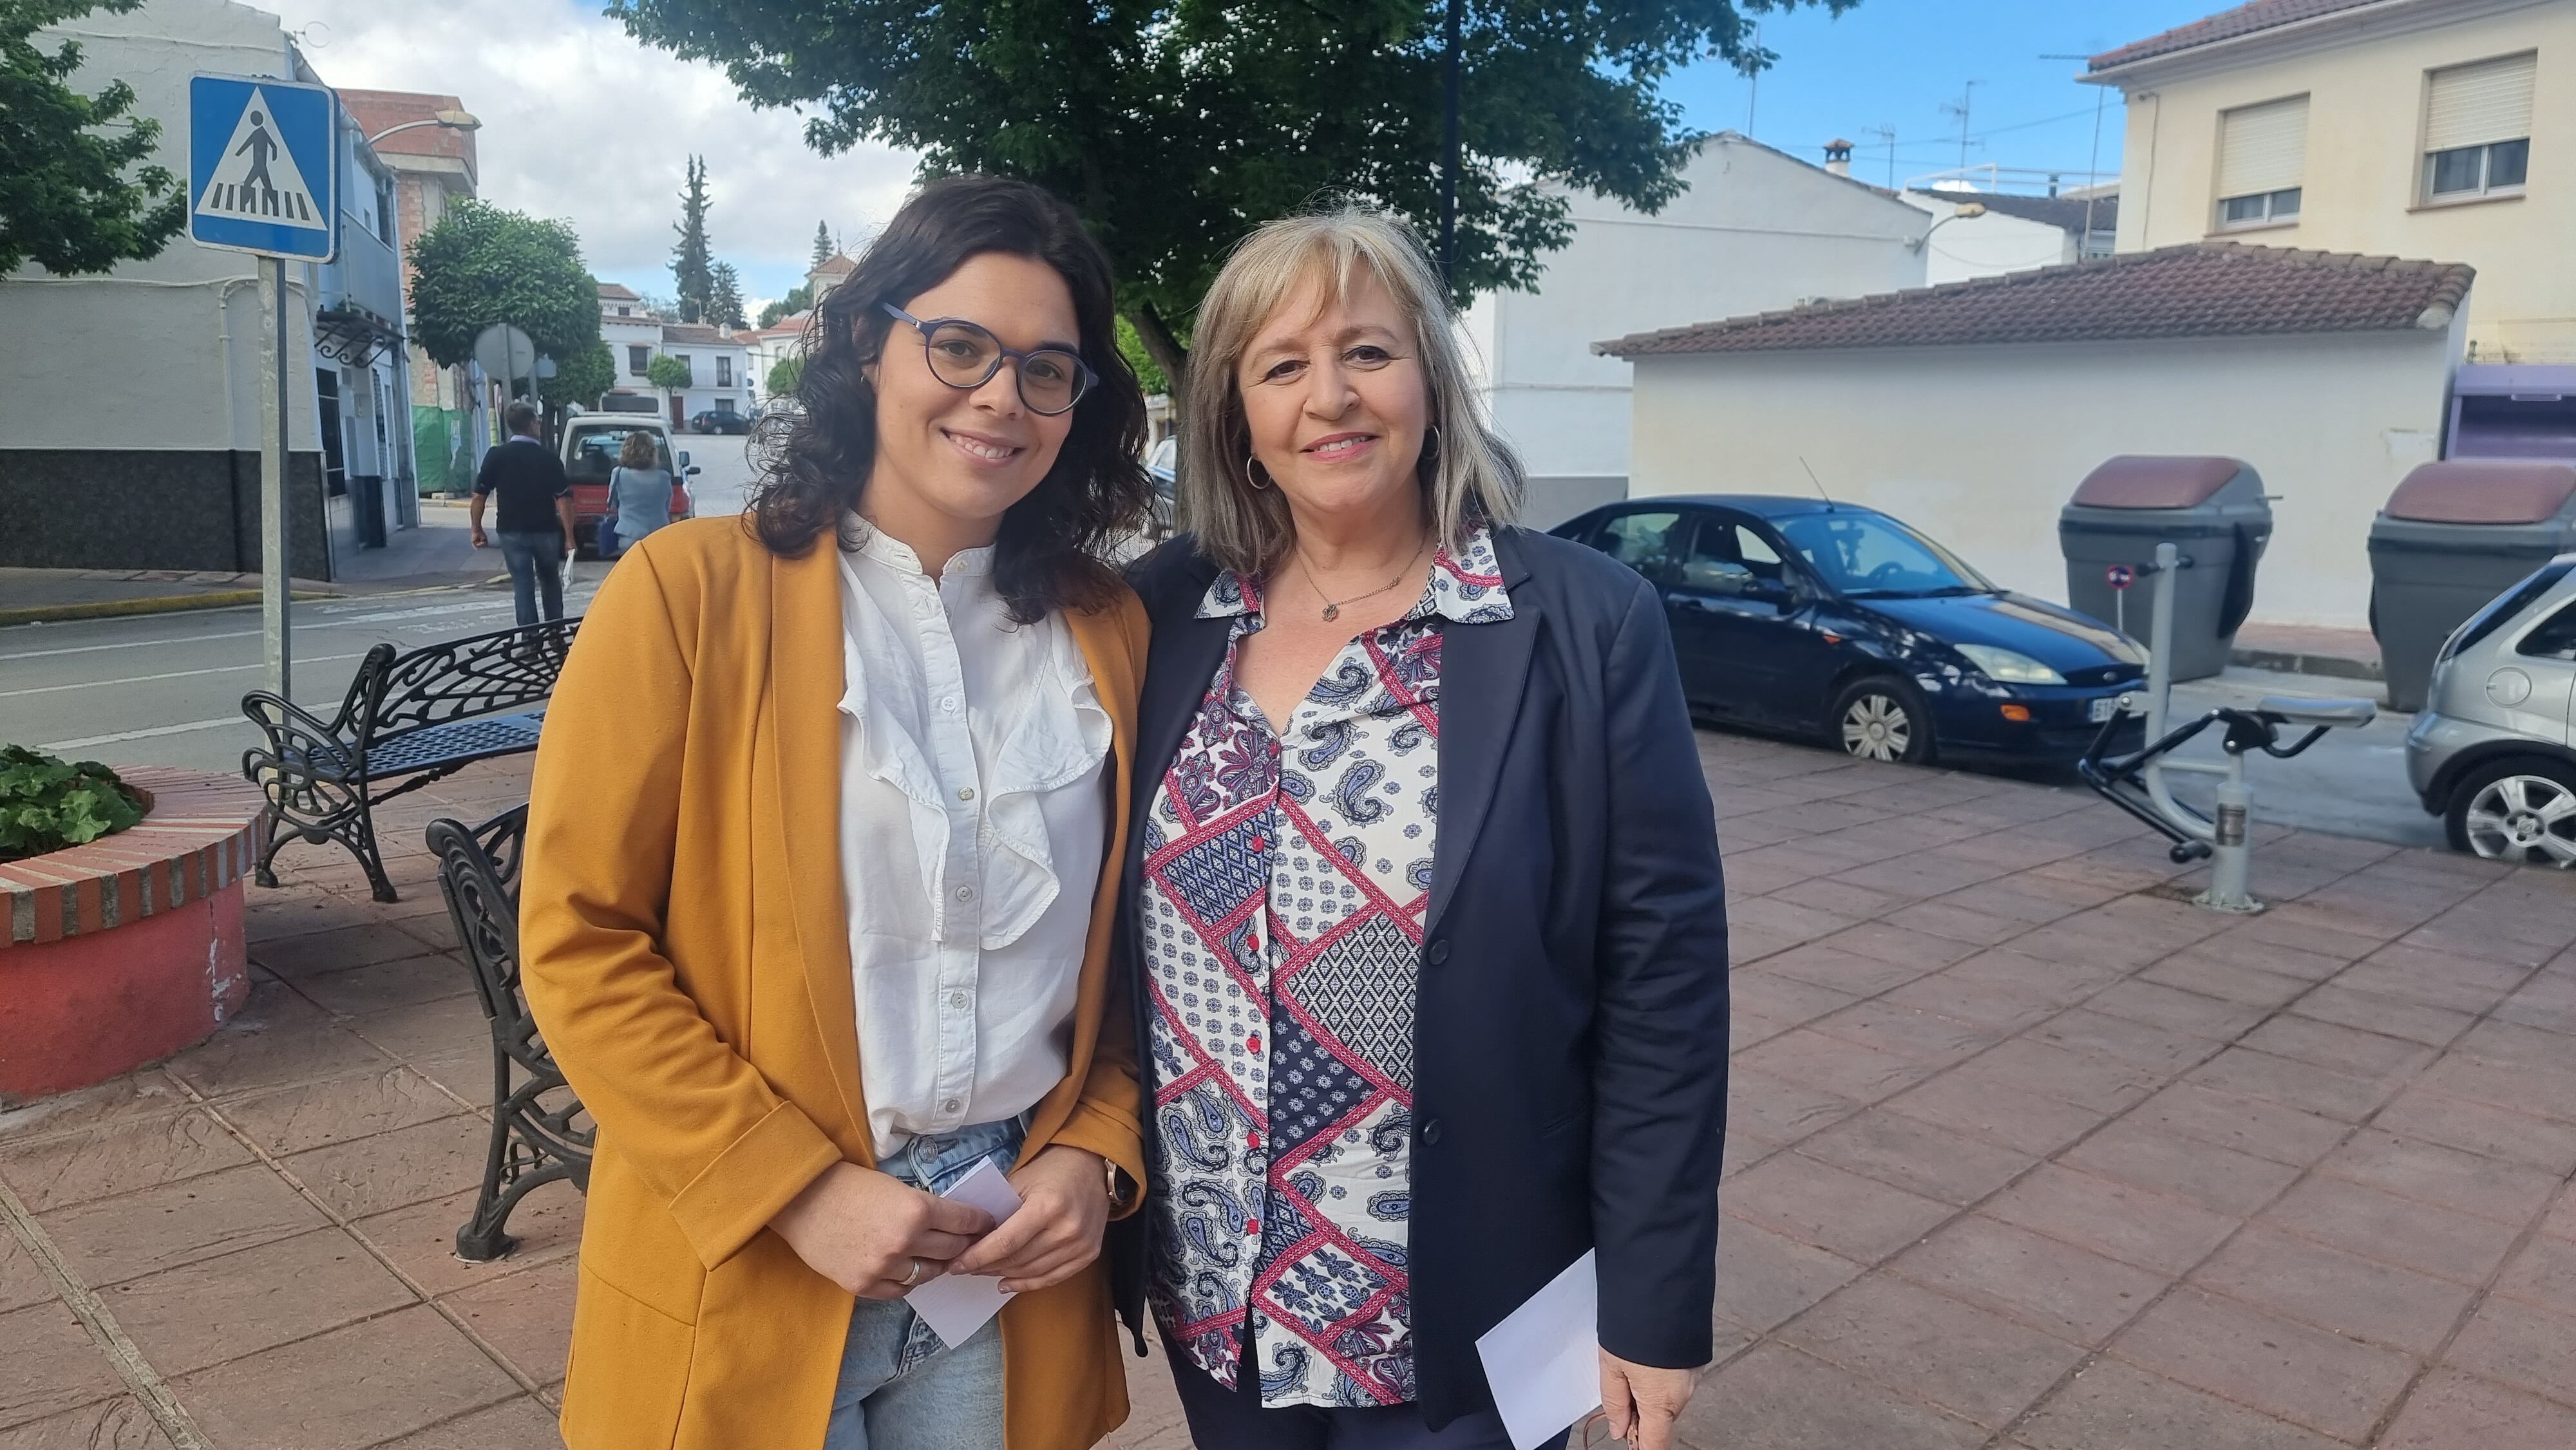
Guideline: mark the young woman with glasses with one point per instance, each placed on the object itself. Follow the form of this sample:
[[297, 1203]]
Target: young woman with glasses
[[822, 860]]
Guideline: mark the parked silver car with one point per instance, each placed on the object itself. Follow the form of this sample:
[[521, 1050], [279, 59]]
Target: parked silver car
[[2491, 752]]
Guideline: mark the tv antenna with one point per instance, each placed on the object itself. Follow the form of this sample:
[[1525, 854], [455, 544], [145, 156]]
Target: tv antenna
[[1967, 96], [1886, 134]]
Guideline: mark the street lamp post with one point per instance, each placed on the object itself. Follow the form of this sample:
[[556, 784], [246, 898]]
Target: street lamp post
[[447, 120]]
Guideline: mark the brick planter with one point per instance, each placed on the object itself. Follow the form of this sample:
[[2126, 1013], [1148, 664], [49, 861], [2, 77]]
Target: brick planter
[[130, 948]]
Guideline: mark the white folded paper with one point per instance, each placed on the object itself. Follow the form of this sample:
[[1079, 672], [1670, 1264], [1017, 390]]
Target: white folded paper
[[956, 1305], [1544, 1359]]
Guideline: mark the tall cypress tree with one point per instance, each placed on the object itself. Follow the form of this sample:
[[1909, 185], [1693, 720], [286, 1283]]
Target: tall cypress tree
[[724, 296], [823, 247], [691, 269]]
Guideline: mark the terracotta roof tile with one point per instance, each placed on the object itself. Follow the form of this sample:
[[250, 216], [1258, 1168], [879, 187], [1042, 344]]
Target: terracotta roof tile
[[2066, 213], [2225, 25], [700, 334], [377, 111], [2205, 289]]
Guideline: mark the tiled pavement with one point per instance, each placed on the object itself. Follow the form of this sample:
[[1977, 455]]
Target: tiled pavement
[[2026, 1153]]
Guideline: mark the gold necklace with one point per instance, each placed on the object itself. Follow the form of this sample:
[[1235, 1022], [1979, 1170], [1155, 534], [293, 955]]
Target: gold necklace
[[1333, 607]]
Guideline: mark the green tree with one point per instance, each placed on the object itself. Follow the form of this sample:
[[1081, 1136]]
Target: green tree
[[1175, 126], [1149, 374], [692, 272], [798, 299], [580, 379], [823, 248], [66, 197], [724, 295], [666, 371], [784, 375], [484, 264]]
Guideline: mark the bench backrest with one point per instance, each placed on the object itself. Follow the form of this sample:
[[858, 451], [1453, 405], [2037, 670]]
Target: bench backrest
[[500, 673]]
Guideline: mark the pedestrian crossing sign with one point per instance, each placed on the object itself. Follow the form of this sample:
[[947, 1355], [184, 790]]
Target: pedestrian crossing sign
[[261, 176]]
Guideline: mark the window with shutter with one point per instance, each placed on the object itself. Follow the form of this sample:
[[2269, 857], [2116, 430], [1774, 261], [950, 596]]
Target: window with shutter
[[2262, 151], [2477, 128]]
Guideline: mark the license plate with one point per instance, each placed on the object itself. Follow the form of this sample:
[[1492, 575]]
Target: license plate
[[2104, 708]]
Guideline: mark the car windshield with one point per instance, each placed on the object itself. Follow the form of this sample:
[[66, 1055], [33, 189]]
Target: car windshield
[[595, 448], [1865, 556]]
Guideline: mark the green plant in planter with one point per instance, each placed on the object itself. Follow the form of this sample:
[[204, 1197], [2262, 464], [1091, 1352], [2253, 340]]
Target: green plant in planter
[[47, 804]]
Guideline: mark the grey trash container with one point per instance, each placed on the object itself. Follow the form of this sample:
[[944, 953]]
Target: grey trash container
[[2211, 509], [2452, 537]]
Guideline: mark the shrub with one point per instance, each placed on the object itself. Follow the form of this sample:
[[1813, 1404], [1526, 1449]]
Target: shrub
[[46, 805]]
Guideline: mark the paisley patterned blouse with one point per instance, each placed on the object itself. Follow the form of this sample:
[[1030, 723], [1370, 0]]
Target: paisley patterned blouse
[[1286, 880]]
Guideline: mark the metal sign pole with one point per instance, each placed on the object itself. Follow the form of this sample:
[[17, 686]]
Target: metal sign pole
[[275, 563]]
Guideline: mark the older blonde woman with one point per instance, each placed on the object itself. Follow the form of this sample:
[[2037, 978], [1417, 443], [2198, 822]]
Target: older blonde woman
[[1430, 941]]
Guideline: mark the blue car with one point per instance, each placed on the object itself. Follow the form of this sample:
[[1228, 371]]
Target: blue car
[[1831, 620]]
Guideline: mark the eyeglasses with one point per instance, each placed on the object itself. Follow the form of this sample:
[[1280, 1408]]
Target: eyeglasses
[[964, 355]]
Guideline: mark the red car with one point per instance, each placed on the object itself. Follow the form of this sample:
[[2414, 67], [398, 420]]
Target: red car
[[591, 444]]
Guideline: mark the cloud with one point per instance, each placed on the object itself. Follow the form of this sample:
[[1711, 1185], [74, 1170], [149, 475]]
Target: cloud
[[583, 122]]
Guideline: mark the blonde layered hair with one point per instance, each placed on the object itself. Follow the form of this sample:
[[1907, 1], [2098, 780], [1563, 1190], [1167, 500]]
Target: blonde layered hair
[[1468, 477]]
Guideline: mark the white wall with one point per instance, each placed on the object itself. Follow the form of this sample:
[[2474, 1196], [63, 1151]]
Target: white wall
[[1756, 231], [161, 354], [1945, 438], [1988, 245]]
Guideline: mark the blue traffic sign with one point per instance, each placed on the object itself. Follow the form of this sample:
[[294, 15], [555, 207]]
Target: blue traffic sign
[[261, 172]]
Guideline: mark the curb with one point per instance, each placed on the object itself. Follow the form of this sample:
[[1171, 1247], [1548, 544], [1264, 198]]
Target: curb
[[156, 604], [2293, 662]]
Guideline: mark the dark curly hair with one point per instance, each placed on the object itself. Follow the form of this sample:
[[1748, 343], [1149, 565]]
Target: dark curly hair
[[814, 460]]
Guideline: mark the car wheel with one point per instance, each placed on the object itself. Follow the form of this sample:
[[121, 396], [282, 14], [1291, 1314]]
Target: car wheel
[[2517, 810], [1881, 718]]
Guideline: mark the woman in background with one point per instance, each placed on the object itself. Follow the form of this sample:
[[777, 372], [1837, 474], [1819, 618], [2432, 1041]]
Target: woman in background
[[639, 492]]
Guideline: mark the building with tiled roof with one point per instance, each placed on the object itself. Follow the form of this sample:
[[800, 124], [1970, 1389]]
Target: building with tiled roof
[[1972, 410], [827, 274], [2216, 289], [2421, 128], [434, 167]]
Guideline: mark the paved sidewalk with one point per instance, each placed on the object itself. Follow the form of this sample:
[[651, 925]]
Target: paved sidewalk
[[437, 554], [2026, 1154]]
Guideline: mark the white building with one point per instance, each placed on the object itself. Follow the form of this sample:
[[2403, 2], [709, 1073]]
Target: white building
[[2011, 233], [719, 372], [1756, 230], [1972, 410], [764, 348], [132, 438], [634, 339]]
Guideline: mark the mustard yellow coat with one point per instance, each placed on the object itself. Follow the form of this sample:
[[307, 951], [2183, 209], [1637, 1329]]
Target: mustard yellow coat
[[686, 953]]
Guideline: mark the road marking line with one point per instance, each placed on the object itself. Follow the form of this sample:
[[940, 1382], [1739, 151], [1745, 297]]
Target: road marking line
[[172, 675], [121, 736], [82, 649]]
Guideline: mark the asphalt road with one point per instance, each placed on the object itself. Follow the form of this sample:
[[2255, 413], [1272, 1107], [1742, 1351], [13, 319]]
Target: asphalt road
[[166, 689]]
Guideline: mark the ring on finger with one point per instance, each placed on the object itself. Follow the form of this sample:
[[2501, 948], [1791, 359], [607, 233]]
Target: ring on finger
[[910, 1279]]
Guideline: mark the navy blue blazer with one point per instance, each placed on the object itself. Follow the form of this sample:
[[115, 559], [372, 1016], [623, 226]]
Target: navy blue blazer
[[1570, 1044]]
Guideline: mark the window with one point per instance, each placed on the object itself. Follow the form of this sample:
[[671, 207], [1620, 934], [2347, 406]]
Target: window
[[2506, 606], [2262, 153], [625, 311], [2477, 129], [1644, 542], [1728, 558], [724, 372], [2554, 638], [724, 405], [1869, 555], [639, 358]]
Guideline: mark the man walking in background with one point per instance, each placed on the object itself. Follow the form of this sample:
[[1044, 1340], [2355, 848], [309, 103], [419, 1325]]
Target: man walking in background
[[536, 513]]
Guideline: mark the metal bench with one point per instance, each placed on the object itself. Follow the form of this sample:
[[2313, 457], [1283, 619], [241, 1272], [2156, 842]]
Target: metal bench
[[415, 717], [540, 1132]]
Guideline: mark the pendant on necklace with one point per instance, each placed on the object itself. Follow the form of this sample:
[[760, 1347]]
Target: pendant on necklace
[[1332, 611]]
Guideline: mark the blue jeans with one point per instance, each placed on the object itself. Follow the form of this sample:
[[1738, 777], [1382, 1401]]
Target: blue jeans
[[535, 558], [900, 1388]]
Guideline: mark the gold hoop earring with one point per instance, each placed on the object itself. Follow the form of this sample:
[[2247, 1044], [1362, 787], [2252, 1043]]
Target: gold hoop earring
[[1252, 473]]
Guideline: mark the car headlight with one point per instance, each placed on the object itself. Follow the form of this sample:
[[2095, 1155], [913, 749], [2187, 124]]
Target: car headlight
[[2011, 667]]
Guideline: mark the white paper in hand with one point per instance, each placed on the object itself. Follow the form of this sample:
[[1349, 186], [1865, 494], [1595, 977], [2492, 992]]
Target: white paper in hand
[[1544, 1360], [956, 1305]]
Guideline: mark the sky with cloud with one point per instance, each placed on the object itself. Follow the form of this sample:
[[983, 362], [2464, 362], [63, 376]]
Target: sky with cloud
[[582, 122]]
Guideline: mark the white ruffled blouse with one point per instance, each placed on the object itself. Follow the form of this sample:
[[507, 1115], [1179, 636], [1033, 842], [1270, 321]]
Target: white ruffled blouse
[[973, 819]]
